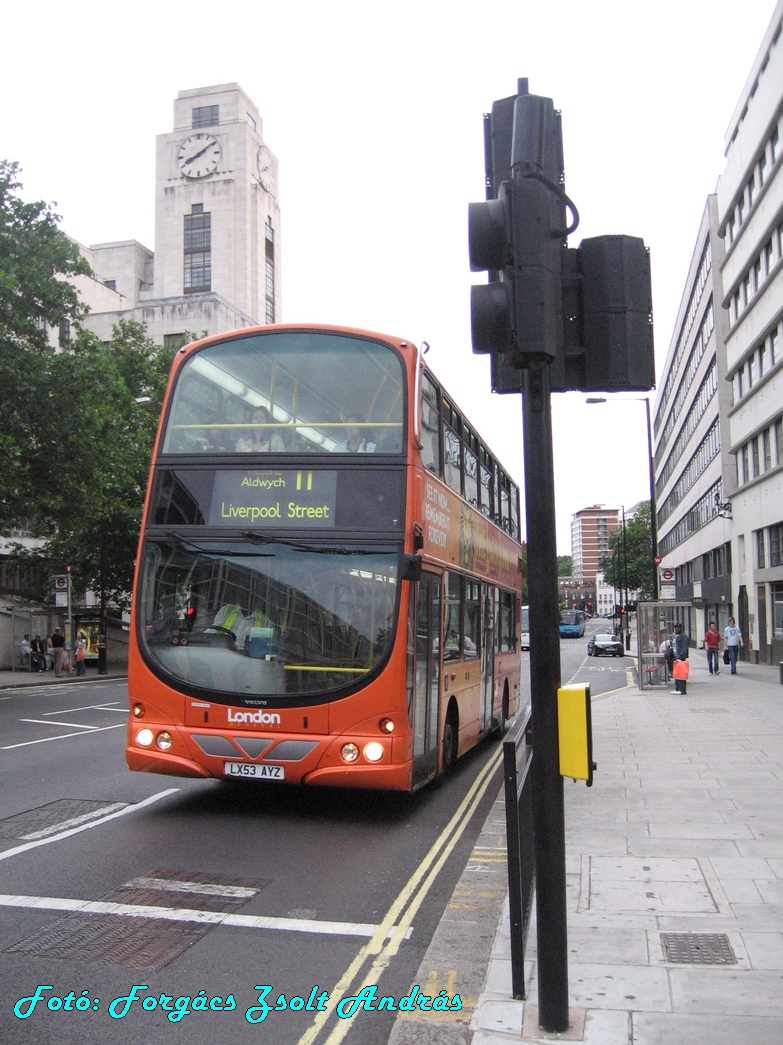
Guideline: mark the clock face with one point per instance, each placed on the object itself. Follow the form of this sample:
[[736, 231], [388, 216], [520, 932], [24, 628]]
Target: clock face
[[266, 170], [198, 155]]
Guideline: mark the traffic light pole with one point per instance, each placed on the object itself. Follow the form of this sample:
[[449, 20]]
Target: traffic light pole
[[548, 803], [557, 319]]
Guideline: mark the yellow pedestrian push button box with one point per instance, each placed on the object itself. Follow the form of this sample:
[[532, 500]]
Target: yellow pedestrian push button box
[[575, 733]]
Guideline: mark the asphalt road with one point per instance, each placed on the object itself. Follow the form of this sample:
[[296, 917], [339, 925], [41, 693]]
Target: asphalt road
[[205, 889]]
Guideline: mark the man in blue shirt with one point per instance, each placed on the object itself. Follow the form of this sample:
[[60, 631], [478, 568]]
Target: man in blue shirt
[[733, 637]]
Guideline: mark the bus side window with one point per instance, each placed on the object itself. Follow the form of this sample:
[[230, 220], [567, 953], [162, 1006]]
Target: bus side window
[[451, 615], [430, 425], [452, 447], [472, 619], [470, 466]]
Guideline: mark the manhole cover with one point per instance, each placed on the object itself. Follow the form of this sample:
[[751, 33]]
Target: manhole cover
[[697, 948]]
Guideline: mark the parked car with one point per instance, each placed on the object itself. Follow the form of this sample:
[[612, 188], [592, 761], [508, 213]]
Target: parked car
[[605, 644]]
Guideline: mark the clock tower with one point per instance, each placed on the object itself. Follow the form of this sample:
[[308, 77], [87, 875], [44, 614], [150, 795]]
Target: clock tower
[[217, 216]]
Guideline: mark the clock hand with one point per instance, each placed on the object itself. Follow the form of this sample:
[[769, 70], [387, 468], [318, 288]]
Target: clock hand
[[196, 155]]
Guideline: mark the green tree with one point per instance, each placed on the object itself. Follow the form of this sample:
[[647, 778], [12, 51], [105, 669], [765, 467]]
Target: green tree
[[89, 455], [564, 565], [34, 256], [631, 565]]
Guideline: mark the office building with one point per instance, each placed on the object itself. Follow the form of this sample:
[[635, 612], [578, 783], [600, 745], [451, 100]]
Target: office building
[[719, 408]]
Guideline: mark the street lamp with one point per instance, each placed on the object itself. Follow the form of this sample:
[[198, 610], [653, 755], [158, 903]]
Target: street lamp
[[651, 465]]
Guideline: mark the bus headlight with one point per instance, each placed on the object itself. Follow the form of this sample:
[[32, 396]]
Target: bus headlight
[[164, 741], [386, 725], [144, 737], [138, 711], [373, 751], [350, 752]]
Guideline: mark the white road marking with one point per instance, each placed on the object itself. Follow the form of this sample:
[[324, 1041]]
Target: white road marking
[[8, 853], [238, 892], [73, 821], [184, 914], [43, 722], [64, 736], [107, 706]]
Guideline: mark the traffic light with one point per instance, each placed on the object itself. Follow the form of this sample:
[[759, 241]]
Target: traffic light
[[585, 311], [517, 235]]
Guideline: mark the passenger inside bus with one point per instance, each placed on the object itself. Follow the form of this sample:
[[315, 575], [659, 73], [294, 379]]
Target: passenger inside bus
[[357, 439], [261, 438]]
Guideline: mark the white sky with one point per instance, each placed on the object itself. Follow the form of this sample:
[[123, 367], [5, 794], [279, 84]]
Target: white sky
[[375, 113]]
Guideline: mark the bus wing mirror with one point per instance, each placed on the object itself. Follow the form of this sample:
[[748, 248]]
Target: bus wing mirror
[[411, 568]]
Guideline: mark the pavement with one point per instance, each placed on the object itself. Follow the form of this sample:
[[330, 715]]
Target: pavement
[[23, 677], [681, 833]]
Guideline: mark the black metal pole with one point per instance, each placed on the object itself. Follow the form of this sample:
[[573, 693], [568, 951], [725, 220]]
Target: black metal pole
[[102, 633], [548, 804], [625, 586], [653, 512]]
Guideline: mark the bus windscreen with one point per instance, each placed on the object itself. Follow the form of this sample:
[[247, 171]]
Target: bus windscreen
[[289, 392]]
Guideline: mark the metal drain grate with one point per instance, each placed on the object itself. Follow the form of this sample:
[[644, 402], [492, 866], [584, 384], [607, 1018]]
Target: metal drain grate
[[140, 943], [697, 948], [63, 811]]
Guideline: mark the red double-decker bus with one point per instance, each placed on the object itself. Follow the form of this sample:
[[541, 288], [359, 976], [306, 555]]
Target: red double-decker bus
[[329, 576]]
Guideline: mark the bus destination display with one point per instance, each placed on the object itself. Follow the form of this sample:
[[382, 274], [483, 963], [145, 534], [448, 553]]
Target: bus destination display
[[290, 498]]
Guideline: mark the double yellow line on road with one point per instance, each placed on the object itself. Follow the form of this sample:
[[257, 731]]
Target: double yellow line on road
[[395, 924]]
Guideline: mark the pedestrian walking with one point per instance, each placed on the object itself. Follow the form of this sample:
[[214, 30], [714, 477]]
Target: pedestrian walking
[[58, 645], [712, 642], [680, 646], [733, 637]]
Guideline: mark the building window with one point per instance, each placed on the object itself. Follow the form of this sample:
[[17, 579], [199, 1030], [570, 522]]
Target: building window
[[754, 451], [776, 592], [745, 467], [198, 250], [64, 338], [761, 559], [250, 120], [206, 116], [110, 283], [269, 251], [779, 440], [752, 378], [776, 545], [774, 346], [767, 448], [175, 340]]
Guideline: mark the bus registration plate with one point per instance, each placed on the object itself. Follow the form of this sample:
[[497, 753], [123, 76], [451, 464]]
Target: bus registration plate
[[254, 769]]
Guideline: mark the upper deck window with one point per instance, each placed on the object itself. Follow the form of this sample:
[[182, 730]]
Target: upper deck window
[[289, 392]]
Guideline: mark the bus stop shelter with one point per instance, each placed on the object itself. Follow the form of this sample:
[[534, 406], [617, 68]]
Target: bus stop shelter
[[654, 630]]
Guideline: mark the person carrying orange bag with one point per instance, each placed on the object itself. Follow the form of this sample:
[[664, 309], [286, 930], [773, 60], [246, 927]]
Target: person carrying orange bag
[[680, 668]]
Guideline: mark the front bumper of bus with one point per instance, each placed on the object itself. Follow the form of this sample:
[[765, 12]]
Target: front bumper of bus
[[323, 765]]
